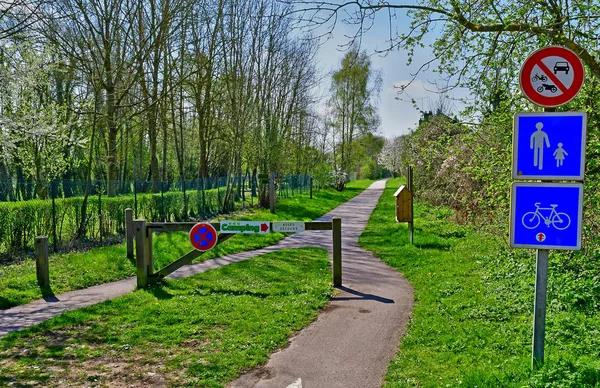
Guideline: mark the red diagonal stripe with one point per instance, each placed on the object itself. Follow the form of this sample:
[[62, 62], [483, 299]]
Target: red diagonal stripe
[[553, 77], [203, 237]]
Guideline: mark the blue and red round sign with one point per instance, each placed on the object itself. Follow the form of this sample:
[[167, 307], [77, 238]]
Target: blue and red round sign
[[203, 236]]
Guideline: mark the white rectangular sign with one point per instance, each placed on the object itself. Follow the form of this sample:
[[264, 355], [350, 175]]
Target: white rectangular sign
[[288, 226], [247, 227]]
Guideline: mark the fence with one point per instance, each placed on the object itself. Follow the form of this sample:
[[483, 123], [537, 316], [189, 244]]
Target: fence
[[56, 209]]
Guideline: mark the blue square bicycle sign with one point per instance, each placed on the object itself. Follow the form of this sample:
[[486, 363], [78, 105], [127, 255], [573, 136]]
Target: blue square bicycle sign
[[546, 215]]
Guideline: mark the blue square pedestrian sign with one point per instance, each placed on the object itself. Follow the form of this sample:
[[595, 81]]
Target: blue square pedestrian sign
[[549, 145], [546, 215]]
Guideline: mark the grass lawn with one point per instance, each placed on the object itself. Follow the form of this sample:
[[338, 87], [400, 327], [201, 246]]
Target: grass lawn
[[473, 316], [76, 270], [200, 331]]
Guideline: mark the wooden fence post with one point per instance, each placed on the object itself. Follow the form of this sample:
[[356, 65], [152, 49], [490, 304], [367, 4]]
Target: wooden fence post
[[41, 261], [336, 225], [140, 253], [129, 232], [311, 186], [272, 192], [149, 254]]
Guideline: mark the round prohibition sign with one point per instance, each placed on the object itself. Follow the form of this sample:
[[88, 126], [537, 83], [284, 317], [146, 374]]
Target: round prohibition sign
[[551, 76], [203, 237]]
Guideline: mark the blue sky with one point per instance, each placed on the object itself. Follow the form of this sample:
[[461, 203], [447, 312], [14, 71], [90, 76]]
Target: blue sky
[[397, 116]]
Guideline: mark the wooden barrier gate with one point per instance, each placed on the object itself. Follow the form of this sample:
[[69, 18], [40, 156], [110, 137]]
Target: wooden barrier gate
[[143, 246]]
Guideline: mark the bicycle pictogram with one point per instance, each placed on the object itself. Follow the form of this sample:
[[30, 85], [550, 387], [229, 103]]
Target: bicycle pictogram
[[559, 220]]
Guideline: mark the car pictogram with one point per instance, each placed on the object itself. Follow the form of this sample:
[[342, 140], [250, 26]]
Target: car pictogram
[[561, 66]]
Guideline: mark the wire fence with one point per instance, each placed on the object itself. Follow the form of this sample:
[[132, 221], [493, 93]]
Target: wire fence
[[61, 209]]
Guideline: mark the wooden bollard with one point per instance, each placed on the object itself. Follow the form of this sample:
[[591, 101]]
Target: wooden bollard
[[272, 192], [140, 253], [129, 232], [41, 261], [336, 226]]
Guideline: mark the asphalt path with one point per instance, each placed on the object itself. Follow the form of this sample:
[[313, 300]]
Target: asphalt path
[[349, 345], [356, 336]]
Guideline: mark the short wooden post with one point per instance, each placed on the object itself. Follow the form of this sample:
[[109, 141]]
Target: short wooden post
[[41, 261], [149, 255], [140, 252], [310, 185], [336, 226], [129, 232], [272, 192]]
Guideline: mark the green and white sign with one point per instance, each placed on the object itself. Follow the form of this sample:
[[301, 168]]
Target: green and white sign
[[246, 227], [288, 226]]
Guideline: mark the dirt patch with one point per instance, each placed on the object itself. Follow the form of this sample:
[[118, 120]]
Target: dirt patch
[[63, 358]]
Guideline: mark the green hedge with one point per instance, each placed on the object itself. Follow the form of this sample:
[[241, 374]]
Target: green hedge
[[22, 221], [105, 216]]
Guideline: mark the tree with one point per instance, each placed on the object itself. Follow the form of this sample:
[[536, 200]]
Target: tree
[[479, 44], [352, 112], [391, 155]]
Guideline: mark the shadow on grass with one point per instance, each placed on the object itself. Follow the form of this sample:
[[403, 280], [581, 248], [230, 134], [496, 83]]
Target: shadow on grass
[[434, 245], [159, 292], [205, 291]]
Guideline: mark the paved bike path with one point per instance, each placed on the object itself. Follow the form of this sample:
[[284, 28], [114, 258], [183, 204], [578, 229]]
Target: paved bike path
[[356, 336], [349, 345]]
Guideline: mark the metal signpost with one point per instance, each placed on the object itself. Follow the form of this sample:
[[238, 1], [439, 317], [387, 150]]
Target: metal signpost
[[548, 146]]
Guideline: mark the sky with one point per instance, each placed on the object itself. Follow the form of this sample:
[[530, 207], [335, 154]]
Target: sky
[[398, 116]]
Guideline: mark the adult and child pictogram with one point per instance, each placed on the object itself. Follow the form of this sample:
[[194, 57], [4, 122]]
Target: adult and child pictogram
[[537, 141], [549, 145]]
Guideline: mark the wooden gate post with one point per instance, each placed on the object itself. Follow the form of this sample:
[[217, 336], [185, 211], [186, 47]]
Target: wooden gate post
[[140, 252], [129, 232], [336, 226], [41, 261], [272, 192]]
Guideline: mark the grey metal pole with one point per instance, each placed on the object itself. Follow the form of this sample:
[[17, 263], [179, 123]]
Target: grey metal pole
[[539, 308]]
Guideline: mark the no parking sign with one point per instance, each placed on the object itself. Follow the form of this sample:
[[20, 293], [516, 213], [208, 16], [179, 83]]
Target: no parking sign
[[203, 236]]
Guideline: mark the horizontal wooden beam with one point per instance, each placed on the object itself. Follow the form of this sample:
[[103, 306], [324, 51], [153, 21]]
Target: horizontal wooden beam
[[186, 226], [177, 226], [318, 225]]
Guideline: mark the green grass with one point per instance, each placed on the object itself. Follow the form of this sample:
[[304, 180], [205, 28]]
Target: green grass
[[76, 270], [200, 331], [472, 321]]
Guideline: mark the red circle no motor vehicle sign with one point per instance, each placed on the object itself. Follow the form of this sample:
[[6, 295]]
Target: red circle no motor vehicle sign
[[551, 76]]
